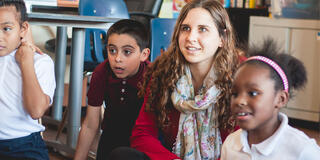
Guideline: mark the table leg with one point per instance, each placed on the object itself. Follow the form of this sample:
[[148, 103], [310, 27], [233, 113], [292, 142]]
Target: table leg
[[60, 67], [75, 91]]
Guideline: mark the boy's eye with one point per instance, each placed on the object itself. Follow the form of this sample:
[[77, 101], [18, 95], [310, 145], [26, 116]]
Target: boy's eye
[[253, 93], [112, 50], [127, 52]]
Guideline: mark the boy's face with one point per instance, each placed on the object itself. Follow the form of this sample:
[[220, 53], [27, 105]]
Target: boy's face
[[124, 55], [254, 101], [10, 30]]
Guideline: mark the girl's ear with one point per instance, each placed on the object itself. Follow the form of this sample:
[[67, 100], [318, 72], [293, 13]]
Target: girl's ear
[[144, 54], [24, 30], [282, 98]]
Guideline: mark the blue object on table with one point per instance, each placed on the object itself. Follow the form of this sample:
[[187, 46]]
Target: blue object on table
[[161, 33], [95, 49]]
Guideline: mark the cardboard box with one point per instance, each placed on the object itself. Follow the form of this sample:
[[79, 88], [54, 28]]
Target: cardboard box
[[68, 3]]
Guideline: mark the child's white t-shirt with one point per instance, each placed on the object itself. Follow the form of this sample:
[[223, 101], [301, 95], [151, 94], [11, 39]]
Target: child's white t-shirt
[[287, 143], [15, 121]]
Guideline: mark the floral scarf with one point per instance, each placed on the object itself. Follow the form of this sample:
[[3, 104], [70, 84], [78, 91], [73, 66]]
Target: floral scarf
[[198, 137]]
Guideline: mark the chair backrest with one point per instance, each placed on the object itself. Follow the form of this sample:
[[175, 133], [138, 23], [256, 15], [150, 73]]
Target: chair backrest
[[161, 34], [144, 10], [144, 6], [95, 50]]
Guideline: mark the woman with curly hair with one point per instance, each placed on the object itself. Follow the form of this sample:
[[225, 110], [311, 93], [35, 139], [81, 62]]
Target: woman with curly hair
[[186, 110]]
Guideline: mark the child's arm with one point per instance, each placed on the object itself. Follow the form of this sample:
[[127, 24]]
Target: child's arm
[[88, 132], [35, 101]]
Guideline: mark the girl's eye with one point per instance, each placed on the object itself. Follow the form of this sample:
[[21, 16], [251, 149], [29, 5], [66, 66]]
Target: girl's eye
[[234, 94], [253, 93]]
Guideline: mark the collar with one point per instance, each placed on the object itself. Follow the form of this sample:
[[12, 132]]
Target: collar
[[11, 54], [267, 146], [133, 81]]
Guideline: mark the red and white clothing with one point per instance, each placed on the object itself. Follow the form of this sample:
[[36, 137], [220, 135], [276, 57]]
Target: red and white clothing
[[147, 137]]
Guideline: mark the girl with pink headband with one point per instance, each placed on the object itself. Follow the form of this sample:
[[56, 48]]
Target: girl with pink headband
[[262, 85]]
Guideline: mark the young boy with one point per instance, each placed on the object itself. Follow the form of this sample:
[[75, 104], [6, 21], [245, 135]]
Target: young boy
[[115, 82], [27, 85]]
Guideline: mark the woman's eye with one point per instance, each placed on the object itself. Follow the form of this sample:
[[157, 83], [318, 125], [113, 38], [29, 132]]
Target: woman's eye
[[7, 29], [253, 93], [185, 28], [203, 29]]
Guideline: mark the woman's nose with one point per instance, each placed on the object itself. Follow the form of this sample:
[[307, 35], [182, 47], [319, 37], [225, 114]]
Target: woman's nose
[[192, 36]]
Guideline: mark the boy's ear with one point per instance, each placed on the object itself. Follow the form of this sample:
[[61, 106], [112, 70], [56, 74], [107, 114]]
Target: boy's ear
[[24, 29], [282, 99], [144, 54]]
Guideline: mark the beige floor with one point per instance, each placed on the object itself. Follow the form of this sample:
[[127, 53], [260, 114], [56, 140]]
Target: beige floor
[[50, 134]]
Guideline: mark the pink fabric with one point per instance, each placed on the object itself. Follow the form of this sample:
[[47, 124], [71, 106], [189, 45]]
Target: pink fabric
[[276, 67]]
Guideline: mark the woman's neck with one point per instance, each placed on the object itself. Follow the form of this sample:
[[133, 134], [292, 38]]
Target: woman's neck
[[199, 73]]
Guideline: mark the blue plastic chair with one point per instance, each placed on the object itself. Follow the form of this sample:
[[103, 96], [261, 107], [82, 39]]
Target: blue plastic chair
[[161, 33], [95, 50]]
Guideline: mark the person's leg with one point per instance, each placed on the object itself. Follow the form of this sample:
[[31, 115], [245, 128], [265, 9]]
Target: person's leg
[[29, 147], [125, 153]]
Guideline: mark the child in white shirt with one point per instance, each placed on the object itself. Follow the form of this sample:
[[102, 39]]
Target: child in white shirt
[[27, 85], [262, 85]]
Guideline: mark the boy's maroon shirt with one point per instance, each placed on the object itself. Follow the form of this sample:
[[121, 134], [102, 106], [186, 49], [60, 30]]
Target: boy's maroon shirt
[[120, 97]]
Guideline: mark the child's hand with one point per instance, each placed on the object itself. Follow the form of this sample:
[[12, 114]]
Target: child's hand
[[28, 39], [25, 53]]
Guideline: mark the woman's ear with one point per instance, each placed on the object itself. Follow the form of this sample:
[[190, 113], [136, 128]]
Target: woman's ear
[[282, 98], [144, 54]]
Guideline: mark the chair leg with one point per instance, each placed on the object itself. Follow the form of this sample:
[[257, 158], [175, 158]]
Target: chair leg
[[40, 122], [62, 123]]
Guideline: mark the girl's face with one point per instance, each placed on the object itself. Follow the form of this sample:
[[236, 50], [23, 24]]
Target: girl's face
[[199, 38], [254, 101]]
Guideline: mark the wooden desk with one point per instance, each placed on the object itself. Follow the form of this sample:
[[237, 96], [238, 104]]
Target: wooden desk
[[78, 24]]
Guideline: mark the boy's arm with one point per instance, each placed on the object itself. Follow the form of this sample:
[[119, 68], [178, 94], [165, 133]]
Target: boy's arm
[[35, 101], [88, 132]]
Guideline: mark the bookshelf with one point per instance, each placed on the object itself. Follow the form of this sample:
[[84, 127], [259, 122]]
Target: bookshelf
[[240, 18]]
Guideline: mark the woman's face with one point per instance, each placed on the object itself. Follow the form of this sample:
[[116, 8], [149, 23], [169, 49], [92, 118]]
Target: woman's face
[[199, 38]]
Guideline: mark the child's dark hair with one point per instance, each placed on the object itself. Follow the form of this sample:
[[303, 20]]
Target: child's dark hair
[[20, 7], [291, 66], [133, 28]]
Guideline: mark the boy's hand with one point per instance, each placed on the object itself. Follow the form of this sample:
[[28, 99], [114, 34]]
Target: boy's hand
[[28, 39], [25, 53]]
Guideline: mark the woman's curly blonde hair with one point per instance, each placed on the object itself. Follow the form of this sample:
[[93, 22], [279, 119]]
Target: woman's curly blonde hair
[[163, 74]]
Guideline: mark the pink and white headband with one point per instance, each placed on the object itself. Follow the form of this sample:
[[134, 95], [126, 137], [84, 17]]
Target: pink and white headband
[[276, 67]]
